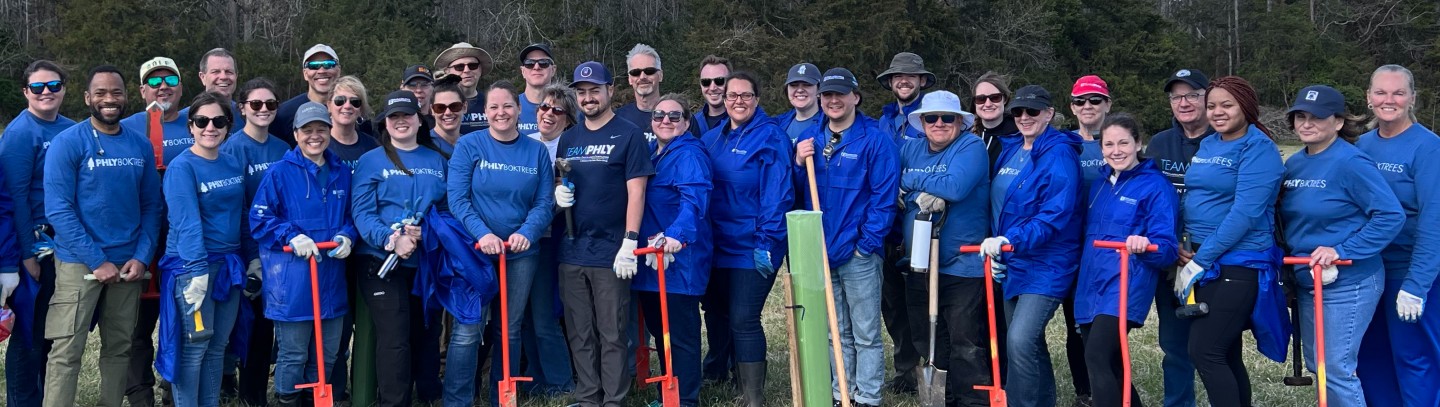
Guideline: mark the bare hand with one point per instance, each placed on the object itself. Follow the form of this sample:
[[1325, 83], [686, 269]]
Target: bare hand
[[405, 246], [491, 244], [1137, 244], [518, 243], [1185, 256], [804, 149], [413, 230], [1324, 256], [133, 270], [32, 266], [107, 273]]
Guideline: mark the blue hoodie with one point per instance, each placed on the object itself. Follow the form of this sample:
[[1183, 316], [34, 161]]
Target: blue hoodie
[[177, 134], [1338, 199], [857, 187], [1404, 165], [1040, 214], [958, 175], [382, 194], [1141, 202], [747, 211], [205, 202], [895, 121], [502, 188], [255, 158], [22, 157], [795, 128], [104, 206], [677, 199], [292, 201], [1230, 200]]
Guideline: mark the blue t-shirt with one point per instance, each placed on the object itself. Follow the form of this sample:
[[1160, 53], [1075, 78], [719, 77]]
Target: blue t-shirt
[[529, 120], [350, 153], [255, 159], [1003, 178], [22, 157], [383, 194], [639, 118], [474, 119], [1230, 197], [177, 133], [1090, 162], [1407, 162], [502, 188], [102, 195], [796, 127], [205, 201], [1338, 199], [601, 161]]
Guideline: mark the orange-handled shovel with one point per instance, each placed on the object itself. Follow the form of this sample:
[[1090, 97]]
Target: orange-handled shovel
[[997, 392], [324, 397]]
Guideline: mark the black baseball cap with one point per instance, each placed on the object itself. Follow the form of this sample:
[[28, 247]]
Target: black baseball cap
[[535, 47], [838, 80], [400, 101], [416, 71], [1030, 97], [1192, 77]]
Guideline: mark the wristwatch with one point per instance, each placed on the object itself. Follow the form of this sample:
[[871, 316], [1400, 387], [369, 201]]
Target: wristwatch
[[632, 235]]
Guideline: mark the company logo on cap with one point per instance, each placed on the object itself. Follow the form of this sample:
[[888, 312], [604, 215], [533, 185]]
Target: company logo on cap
[[1312, 96], [396, 100], [422, 69], [1182, 73], [1091, 86], [586, 72], [801, 70], [1029, 96]]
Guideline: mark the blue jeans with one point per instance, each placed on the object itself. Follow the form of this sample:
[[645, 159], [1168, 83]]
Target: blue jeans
[[1349, 305], [857, 309], [460, 364], [748, 291], [684, 338], [551, 368], [197, 375], [1416, 347], [295, 356], [720, 355], [1031, 380], [25, 365], [1174, 332], [520, 276]]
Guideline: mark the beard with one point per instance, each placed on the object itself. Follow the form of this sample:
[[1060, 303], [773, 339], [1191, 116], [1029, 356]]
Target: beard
[[100, 117]]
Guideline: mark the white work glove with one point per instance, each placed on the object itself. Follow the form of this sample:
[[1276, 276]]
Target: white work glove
[[304, 247], [1185, 279], [992, 246], [1409, 306], [929, 203], [997, 270], [1328, 274], [342, 247], [625, 263], [660, 241], [195, 292], [8, 282], [564, 196]]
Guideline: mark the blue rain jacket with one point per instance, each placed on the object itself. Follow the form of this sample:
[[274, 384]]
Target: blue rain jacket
[[752, 174], [857, 184], [1041, 215], [291, 201], [228, 280], [677, 200], [452, 274], [1141, 202]]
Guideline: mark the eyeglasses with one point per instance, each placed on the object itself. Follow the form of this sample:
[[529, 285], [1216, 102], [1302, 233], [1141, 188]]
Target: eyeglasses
[[419, 84], [993, 98], [647, 71], [318, 65], [355, 102], [537, 63], [465, 67], [170, 80], [1192, 97], [1025, 112], [546, 107], [220, 122], [743, 97], [660, 116], [456, 107], [932, 118], [705, 82], [37, 88], [270, 105], [1094, 100]]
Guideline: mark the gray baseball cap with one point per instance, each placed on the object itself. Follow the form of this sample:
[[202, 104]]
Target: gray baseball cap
[[803, 72], [311, 112]]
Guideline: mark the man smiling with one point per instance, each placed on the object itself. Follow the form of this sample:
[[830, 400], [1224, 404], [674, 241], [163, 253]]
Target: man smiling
[[321, 68], [160, 83]]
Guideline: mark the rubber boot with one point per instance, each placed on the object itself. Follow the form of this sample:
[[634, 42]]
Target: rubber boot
[[752, 383]]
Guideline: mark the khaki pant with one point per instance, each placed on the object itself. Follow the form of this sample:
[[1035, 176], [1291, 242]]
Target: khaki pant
[[68, 325]]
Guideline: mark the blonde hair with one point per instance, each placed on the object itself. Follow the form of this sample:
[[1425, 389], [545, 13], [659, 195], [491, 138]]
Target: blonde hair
[[353, 84]]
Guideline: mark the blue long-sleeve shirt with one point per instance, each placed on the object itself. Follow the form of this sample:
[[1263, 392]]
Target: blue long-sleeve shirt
[[857, 186], [104, 207], [23, 146], [502, 188], [1407, 163], [205, 203], [255, 159], [1337, 198], [1230, 197], [382, 194], [746, 207], [677, 202], [957, 174], [177, 134]]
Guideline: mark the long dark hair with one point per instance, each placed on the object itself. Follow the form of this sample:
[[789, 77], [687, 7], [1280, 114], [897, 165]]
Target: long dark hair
[[1244, 96], [382, 134]]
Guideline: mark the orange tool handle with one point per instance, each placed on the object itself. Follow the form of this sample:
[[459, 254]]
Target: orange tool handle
[[320, 245], [1106, 244], [976, 248], [1306, 260]]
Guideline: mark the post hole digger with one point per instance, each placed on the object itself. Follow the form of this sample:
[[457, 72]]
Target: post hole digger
[[324, 396], [1124, 254], [669, 384], [1319, 296], [997, 392], [507, 387]]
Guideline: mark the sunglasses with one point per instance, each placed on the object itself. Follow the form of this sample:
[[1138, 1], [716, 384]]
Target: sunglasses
[[660, 116], [465, 67], [456, 107], [546, 107], [647, 71], [37, 88], [1094, 100], [355, 102], [830, 147], [993, 98], [946, 118], [270, 105], [171, 80], [1025, 112], [220, 122], [318, 65], [705, 82], [537, 63]]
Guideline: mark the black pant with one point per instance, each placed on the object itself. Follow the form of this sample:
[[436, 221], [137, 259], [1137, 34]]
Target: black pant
[[1102, 358], [1075, 347], [894, 313], [720, 359], [962, 345], [253, 384], [1215, 339], [401, 335]]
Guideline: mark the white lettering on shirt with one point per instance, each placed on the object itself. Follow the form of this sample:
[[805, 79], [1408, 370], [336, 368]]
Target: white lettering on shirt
[[1009, 171], [114, 162], [1213, 160], [1391, 167], [1305, 183], [487, 165], [206, 187]]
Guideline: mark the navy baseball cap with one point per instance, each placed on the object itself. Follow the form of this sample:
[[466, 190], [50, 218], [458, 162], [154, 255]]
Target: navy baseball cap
[[1192, 77], [803, 72], [1319, 100], [416, 71], [838, 80], [1030, 97], [591, 72]]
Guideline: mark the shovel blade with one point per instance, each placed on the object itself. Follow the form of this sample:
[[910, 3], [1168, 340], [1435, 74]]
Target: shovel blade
[[670, 395], [932, 386], [324, 397]]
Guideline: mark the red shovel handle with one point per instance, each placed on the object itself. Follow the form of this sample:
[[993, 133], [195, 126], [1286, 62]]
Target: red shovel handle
[[1306, 260], [1123, 251], [320, 245], [322, 386], [1319, 299], [1106, 244], [976, 248]]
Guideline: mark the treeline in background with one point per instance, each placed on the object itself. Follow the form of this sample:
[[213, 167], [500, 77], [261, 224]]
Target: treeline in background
[[1279, 45]]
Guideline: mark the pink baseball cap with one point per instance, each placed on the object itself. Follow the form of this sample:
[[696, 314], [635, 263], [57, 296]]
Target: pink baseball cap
[[1090, 84]]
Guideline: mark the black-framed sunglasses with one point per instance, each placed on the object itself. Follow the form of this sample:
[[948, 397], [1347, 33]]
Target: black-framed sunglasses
[[355, 102], [37, 88], [170, 80], [1094, 100], [541, 63], [993, 98], [325, 64], [271, 105], [220, 122], [1025, 111], [944, 118], [456, 107], [651, 71], [705, 82], [465, 67], [546, 107], [660, 115]]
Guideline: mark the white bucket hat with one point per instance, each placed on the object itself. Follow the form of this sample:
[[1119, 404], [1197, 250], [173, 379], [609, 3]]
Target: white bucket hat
[[941, 102]]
